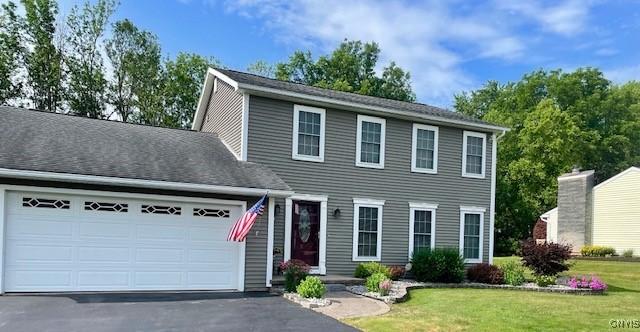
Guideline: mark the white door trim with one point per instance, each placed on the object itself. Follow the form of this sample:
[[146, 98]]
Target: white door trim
[[270, 229], [322, 260], [4, 189]]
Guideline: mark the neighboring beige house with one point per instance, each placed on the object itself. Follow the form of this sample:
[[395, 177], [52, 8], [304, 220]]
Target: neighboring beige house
[[607, 214]]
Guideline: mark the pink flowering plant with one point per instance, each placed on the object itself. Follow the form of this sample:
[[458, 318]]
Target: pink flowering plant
[[294, 271], [385, 287], [584, 282]]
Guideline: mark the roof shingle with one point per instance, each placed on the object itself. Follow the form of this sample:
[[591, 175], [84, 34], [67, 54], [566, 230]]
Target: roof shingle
[[49, 142]]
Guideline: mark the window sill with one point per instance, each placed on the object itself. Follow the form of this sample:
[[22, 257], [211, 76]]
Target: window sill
[[473, 176], [308, 158], [472, 260], [424, 170], [368, 165], [365, 259]]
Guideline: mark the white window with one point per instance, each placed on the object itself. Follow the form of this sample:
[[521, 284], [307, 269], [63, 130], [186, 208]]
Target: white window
[[471, 230], [474, 148], [370, 142], [422, 227], [308, 133], [367, 229], [424, 150]]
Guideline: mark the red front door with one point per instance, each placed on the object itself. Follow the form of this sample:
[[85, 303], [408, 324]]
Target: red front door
[[305, 228]]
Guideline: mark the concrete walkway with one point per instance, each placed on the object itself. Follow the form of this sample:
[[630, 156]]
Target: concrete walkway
[[348, 305]]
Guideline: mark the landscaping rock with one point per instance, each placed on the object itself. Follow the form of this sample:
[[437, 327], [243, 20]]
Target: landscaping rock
[[307, 303]]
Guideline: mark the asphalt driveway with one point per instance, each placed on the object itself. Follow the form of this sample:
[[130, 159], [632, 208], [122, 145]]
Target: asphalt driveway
[[160, 312]]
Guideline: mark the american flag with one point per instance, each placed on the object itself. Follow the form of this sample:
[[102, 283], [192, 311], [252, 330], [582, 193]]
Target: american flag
[[242, 227]]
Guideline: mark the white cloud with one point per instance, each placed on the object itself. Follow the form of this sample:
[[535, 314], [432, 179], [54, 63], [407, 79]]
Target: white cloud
[[622, 75], [427, 39], [567, 18]]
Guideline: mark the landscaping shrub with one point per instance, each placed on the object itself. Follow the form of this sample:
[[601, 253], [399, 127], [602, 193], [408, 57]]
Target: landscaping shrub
[[597, 251], [294, 271], [365, 270], [374, 280], [311, 287], [385, 287], [583, 282], [545, 280], [438, 265], [485, 273], [627, 253], [514, 273], [396, 272], [547, 259]]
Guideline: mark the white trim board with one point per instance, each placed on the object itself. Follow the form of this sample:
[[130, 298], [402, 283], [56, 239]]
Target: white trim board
[[617, 176], [288, 217], [295, 130], [371, 119], [413, 207], [244, 144], [492, 207], [106, 180], [270, 233]]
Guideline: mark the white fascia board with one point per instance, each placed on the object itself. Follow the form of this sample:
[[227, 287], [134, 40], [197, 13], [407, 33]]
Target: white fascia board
[[364, 108], [207, 89], [615, 177], [107, 180]]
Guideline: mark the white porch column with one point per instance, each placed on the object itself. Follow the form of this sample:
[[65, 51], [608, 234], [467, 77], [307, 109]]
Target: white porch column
[[3, 221], [270, 230]]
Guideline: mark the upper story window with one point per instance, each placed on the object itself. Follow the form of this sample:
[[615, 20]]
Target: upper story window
[[308, 133], [370, 142], [367, 229], [474, 148], [424, 149], [422, 227], [471, 230]]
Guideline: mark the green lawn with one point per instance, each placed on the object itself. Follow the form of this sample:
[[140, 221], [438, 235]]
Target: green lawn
[[500, 310]]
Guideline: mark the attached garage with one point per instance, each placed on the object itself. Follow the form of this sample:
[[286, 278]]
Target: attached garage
[[95, 205], [62, 242]]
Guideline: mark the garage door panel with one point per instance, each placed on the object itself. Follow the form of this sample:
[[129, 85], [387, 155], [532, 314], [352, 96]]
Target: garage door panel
[[111, 279], [159, 255], [85, 250], [103, 254]]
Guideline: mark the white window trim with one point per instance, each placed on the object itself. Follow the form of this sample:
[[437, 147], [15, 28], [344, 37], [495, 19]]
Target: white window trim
[[296, 117], [288, 219], [414, 149], [472, 210], [382, 123], [466, 134], [363, 202], [413, 207]]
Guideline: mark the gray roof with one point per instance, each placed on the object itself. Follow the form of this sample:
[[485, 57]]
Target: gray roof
[[246, 78], [50, 142]]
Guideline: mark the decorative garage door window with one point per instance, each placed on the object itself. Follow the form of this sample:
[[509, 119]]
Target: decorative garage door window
[[202, 212], [160, 209], [103, 206], [61, 204]]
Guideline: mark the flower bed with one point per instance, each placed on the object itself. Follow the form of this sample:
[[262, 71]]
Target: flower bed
[[399, 289]]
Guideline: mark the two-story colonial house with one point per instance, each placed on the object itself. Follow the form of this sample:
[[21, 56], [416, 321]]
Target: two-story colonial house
[[98, 205]]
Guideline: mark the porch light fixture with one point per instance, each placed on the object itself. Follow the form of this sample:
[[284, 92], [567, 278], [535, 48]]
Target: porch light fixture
[[336, 213], [277, 210]]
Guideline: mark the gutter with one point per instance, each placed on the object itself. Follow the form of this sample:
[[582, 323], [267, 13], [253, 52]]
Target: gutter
[[151, 184]]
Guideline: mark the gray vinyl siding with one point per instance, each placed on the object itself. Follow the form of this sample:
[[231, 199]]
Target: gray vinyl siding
[[269, 143], [224, 116], [256, 243]]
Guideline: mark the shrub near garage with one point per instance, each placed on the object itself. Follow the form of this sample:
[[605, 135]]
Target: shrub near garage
[[294, 271]]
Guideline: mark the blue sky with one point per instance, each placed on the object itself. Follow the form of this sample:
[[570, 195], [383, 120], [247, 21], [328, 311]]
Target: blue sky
[[448, 46]]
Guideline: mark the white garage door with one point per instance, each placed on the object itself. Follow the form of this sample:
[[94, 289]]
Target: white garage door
[[83, 243]]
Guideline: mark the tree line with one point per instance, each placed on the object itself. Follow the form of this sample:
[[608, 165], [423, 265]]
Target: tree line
[[69, 66]]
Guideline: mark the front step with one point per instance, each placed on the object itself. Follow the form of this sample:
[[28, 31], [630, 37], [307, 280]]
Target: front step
[[326, 279]]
